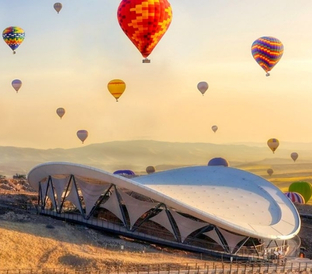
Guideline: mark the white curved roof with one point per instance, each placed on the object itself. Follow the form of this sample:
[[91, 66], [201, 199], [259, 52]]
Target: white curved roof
[[230, 198]]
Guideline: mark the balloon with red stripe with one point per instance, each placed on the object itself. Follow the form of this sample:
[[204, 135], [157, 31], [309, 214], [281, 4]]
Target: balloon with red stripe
[[116, 88], [267, 51], [295, 197]]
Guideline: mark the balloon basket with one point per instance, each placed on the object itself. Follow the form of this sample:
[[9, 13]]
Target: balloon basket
[[146, 60]]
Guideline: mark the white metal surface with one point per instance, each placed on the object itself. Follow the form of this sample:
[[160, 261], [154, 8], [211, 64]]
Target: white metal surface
[[230, 198]]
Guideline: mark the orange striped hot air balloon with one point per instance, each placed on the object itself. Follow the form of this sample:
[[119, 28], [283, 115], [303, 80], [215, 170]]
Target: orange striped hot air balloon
[[267, 51], [144, 22], [116, 87]]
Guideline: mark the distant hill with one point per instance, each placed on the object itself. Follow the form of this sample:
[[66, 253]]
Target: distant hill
[[137, 155]]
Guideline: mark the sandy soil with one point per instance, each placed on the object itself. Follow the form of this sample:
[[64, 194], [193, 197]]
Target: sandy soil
[[28, 240]]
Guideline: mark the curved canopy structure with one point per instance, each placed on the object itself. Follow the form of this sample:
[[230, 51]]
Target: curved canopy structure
[[237, 203]]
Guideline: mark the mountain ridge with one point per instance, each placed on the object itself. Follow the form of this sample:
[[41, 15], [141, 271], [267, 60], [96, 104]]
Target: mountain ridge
[[137, 154]]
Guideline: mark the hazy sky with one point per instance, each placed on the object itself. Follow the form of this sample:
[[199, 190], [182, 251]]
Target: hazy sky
[[67, 59]]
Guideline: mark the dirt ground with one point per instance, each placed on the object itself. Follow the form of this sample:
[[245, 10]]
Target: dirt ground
[[28, 240]]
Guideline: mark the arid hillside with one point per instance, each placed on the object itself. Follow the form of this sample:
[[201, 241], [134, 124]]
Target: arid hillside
[[33, 241]]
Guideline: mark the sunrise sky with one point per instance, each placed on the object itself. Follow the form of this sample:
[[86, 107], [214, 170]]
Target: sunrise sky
[[67, 59]]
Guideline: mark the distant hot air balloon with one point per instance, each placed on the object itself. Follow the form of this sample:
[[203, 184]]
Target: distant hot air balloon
[[270, 171], [16, 84], [60, 112], [214, 128], [57, 7], [150, 169], [304, 188], [267, 51], [116, 87], [144, 22], [295, 197], [273, 144], [13, 36], [202, 87], [82, 135], [125, 172], [294, 156], [218, 161]]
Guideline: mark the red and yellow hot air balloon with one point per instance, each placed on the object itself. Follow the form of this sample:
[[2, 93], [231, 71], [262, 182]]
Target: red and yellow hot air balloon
[[116, 87], [144, 22]]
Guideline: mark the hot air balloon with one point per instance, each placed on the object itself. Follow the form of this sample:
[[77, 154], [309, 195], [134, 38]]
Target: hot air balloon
[[60, 112], [13, 36], [218, 162], [16, 84], [270, 171], [144, 22], [116, 87], [273, 144], [125, 173], [214, 128], [150, 169], [82, 135], [294, 156], [57, 7], [304, 188], [267, 51], [202, 87], [295, 197]]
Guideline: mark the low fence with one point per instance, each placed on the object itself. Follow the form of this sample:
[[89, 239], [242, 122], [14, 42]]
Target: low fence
[[202, 268]]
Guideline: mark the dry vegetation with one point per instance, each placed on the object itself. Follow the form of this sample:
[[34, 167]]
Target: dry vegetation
[[33, 241]]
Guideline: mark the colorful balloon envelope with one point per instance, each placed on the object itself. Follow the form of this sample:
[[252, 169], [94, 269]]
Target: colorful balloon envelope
[[60, 112], [57, 6], [295, 197], [202, 87], [304, 188], [270, 171], [267, 51], [144, 22], [13, 37], [273, 144], [82, 135], [16, 84], [294, 156], [116, 87], [214, 128]]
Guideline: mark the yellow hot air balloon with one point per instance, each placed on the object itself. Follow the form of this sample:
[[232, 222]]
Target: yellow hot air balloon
[[82, 135], [116, 87], [273, 144], [60, 112]]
